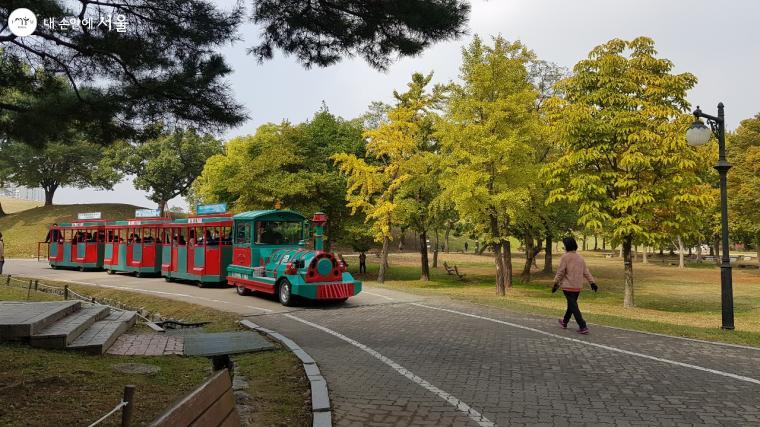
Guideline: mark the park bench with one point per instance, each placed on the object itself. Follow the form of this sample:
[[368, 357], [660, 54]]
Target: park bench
[[452, 271], [211, 404], [608, 254]]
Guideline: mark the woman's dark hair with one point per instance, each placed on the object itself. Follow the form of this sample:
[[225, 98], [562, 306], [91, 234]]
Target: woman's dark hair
[[570, 244]]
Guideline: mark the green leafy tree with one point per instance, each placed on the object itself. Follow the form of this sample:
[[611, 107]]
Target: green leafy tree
[[394, 184], [744, 181], [622, 122], [485, 137], [290, 164], [167, 165], [76, 163]]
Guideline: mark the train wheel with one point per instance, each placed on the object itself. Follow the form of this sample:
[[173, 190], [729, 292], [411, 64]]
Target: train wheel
[[110, 271], [168, 279], [81, 268], [283, 293], [138, 274], [200, 284], [242, 290]]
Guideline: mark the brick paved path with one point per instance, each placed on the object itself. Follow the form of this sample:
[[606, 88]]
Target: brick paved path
[[515, 376], [390, 361], [147, 345]]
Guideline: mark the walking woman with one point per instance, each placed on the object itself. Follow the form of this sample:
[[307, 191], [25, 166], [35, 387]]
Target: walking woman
[[570, 274]]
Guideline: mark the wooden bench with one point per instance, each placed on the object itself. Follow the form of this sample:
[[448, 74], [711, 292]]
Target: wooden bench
[[212, 404], [452, 271], [608, 254]]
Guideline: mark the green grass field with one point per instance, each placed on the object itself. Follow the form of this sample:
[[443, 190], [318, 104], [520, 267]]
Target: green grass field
[[22, 230], [42, 387], [669, 300]]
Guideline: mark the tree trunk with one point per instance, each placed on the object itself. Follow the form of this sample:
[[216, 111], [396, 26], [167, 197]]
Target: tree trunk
[[635, 253], [2, 212], [537, 250], [446, 238], [425, 266], [644, 255], [699, 251], [628, 301], [596, 242], [435, 251], [585, 248], [49, 193], [548, 255], [383, 260], [716, 245], [162, 207], [506, 254], [604, 243], [503, 273], [529, 255], [480, 249], [757, 249], [680, 252], [621, 251]]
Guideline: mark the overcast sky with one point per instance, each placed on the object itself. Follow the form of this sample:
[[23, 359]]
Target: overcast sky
[[719, 42]]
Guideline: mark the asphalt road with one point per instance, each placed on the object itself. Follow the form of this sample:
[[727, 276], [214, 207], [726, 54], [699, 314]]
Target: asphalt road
[[392, 358]]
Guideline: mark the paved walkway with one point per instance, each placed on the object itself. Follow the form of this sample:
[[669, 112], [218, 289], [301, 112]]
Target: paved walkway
[[392, 358], [147, 345]]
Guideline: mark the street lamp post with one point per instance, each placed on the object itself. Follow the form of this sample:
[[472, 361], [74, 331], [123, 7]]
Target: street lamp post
[[699, 134]]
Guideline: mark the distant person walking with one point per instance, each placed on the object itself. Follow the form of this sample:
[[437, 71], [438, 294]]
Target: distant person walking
[[2, 253], [362, 262], [466, 246], [570, 274]]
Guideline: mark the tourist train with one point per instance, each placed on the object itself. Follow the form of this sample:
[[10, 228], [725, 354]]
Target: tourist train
[[257, 251]]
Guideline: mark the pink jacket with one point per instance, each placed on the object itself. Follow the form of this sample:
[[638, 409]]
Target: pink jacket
[[571, 272]]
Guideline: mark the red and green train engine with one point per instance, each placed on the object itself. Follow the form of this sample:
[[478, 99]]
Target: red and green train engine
[[269, 256]]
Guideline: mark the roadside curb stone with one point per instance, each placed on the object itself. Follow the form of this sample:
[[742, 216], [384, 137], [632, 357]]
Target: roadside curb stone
[[320, 397]]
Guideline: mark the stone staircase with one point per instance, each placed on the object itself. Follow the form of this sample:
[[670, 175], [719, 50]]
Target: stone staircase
[[64, 324]]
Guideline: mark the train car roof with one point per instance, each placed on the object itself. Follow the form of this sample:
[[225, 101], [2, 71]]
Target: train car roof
[[270, 215], [139, 221], [84, 223]]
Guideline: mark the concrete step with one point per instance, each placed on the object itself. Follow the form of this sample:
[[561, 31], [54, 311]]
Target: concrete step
[[102, 334], [21, 320], [66, 330]]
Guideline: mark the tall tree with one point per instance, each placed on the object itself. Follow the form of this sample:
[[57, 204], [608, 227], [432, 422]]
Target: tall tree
[[290, 164], [167, 165], [622, 120], [394, 184], [75, 163], [486, 135], [744, 181]]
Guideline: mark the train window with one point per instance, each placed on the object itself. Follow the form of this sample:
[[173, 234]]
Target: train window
[[278, 232], [212, 236], [226, 235], [242, 233], [149, 236]]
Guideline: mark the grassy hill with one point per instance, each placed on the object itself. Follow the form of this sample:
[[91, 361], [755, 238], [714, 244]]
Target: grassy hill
[[22, 230], [11, 205]]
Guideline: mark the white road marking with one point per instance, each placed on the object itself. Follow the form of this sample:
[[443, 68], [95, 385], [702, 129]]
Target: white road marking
[[377, 295], [452, 400], [593, 344]]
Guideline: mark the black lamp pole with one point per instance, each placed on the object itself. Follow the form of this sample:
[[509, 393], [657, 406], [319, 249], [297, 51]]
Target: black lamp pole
[[718, 126]]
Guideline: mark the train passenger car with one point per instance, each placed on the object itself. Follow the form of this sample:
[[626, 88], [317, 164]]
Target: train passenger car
[[135, 245], [269, 257], [78, 245], [197, 249]]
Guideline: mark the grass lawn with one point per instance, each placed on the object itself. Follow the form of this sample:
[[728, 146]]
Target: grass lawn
[[11, 205], [42, 387], [669, 300], [22, 230]]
